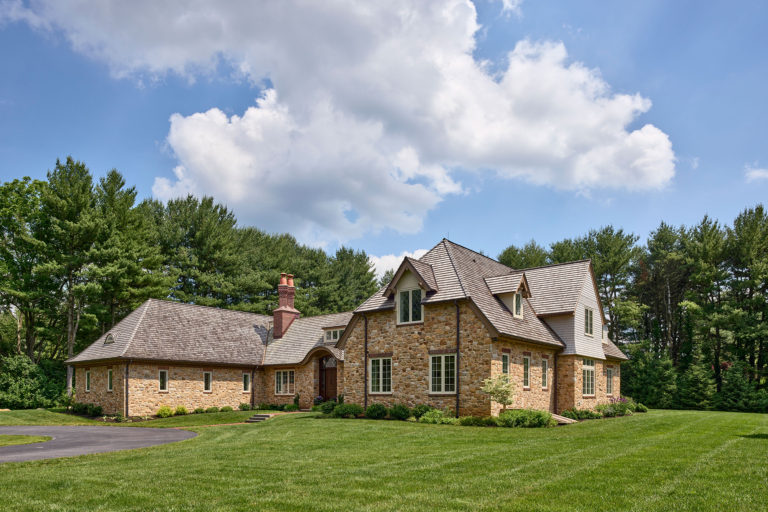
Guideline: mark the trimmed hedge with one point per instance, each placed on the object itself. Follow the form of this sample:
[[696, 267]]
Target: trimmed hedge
[[212, 409], [399, 412], [347, 411], [164, 412], [525, 418], [180, 411], [245, 407], [375, 411]]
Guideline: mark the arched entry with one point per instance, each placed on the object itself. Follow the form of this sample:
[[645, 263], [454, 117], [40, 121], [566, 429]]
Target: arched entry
[[328, 377]]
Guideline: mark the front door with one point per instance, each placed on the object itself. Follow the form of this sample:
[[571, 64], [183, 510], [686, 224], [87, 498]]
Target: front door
[[328, 377]]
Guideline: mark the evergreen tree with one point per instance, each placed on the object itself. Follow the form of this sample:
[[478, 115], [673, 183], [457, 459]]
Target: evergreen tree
[[696, 385], [528, 256]]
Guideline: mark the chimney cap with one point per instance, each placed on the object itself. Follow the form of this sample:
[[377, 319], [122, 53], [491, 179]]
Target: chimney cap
[[290, 279], [283, 279]]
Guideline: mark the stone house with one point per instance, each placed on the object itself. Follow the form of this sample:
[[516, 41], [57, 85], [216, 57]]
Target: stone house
[[445, 322]]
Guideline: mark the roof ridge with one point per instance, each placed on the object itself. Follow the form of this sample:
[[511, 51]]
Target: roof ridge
[[453, 264], [554, 264], [189, 304], [478, 253], [136, 327]]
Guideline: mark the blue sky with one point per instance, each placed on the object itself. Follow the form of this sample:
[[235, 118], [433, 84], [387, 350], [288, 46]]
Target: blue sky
[[388, 133]]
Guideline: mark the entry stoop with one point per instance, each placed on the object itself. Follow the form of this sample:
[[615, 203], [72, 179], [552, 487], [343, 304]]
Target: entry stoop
[[562, 420], [258, 418]]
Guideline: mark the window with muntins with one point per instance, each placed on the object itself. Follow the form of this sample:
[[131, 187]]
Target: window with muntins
[[381, 375], [442, 374], [162, 379], [544, 376], [609, 381], [109, 380], [409, 306], [87, 381], [207, 381], [588, 377], [588, 321], [505, 364], [526, 372], [518, 305], [284, 382], [246, 382], [333, 334]]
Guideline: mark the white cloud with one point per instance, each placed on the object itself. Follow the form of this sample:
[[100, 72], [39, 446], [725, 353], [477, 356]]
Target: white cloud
[[374, 107], [753, 173], [391, 261]]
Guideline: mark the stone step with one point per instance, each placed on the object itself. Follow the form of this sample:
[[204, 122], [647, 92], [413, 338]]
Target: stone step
[[258, 418], [562, 420]]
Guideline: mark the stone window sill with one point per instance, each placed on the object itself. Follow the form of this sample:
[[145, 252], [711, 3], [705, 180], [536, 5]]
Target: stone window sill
[[163, 392], [408, 324], [587, 396], [441, 394], [376, 393], [207, 392], [527, 389]]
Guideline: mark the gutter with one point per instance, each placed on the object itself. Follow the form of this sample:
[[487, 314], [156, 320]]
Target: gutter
[[253, 396], [365, 364], [458, 355], [127, 374], [555, 388]]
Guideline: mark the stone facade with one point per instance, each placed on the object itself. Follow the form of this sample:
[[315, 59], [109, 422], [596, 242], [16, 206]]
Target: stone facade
[[306, 384], [535, 395], [570, 381], [111, 402]]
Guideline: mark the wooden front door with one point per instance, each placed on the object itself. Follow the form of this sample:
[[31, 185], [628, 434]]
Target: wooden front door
[[328, 377]]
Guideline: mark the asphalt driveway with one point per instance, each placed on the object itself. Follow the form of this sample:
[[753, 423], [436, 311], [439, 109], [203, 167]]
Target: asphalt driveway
[[71, 441]]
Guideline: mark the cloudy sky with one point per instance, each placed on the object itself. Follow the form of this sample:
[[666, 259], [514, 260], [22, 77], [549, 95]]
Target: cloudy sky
[[387, 126]]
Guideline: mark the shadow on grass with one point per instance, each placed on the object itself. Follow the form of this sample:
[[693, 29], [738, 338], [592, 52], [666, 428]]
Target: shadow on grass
[[755, 436]]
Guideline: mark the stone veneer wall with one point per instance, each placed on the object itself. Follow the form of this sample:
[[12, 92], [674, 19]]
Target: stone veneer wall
[[306, 380], [112, 402], [570, 380], [410, 346], [185, 387], [533, 397]]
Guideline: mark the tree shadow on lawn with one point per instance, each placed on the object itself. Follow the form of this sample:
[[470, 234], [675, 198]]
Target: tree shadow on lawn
[[755, 436]]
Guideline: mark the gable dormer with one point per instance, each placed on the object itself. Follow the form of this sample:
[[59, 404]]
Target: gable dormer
[[511, 289], [411, 284]]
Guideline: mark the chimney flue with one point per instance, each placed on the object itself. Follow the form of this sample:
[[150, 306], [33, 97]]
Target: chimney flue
[[285, 313]]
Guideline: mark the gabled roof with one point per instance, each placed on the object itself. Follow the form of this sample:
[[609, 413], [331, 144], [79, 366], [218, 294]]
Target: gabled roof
[[555, 289], [508, 283], [423, 272], [304, 335], [173, 331], [612, 351]]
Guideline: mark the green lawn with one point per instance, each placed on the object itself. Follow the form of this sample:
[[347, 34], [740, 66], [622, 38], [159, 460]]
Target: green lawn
[[663, 460], [193, 420], [52, 417], [42, 417], [13, 440]]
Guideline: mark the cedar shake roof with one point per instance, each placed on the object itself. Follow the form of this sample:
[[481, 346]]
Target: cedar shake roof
[[508, 283], [555, 289], [304, 335], [173, 331], [612, 351]]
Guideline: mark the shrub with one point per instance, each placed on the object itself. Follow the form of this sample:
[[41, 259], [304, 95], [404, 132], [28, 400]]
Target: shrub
[[438, 417], [399, 412], [318, 400], [570, 414], [296, 400], [420, 409], [212, 409], [80, 408], [340, 399], [199, 410], [641, 408], [164, 412], [315, 408], [477, 421], [119, 418], [525, 418], [180, 411], [582, 414], [244, 407], [226, 408], [375, 411], [328, 407], [347, 411], [26, 385], [94, 410], [606, 410], [291, 407]]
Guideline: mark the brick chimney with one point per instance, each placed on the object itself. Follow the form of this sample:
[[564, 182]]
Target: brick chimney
[[285, 313]]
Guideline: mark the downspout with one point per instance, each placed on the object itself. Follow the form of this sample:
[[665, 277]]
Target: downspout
[[253, 396], [127, 366], [554, 384], [365, 365], [458, 355]]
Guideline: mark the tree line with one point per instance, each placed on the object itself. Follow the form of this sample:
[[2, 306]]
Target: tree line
[[689, 306]]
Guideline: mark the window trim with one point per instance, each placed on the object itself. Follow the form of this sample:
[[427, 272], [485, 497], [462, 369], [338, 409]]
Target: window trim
[[410, 305], [209, 389], [160, 381], [110, 383], [515, 297], [589, 321], [381, 376], [544, 374], [587, 366], [291, 382], [527, 372], [333, 335], [87, 381], [609, 381], [443, 373], [505, 364], [246, 376]]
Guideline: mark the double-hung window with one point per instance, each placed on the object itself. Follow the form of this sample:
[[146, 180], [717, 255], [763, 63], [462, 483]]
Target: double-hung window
[[518, 305], [588, 329], [526, 371], [284, 382], [410, 309], [505, 364], [109, 379], [87, 381], [442, 374], [162, 378], [609, 381], [588, 377], [207, 381], [246, 382], [381, 375], [544, 376]]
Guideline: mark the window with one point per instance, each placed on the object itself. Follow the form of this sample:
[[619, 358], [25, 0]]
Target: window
[[333, 334], [246, 382], [588, 377], [109, 379], [381, 375], [505, 364], [207, 381], [609, 381], [410, 308], [526, 372], [87, 381], [442, 374], [544, 376], [588, 321], [162, 378], [518, 313], [284, 384]]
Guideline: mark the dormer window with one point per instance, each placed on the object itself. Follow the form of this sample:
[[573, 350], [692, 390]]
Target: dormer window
[[410, 309], [333, 334], [518, 305]]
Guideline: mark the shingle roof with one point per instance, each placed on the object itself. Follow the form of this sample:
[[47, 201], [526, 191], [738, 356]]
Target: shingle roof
[[303, 335], [613, 351], [556, 288], [172, 331], [508, 283]]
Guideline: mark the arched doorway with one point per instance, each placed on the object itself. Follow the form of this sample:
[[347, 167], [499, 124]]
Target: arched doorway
[[328, 377]]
